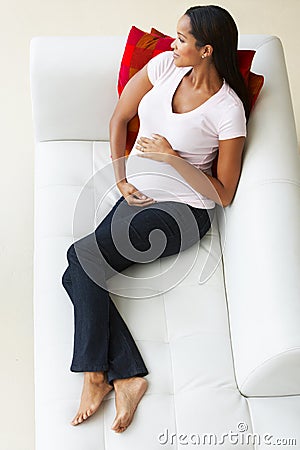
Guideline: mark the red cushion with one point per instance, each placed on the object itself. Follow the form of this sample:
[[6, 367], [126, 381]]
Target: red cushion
[[245, 58], [142, 46], [255, 84], [157, 32]]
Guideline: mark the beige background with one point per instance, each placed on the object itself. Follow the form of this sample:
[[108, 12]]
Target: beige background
[[20, 21]]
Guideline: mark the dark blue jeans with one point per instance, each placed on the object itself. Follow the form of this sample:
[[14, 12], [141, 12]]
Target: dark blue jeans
[[102, 341]]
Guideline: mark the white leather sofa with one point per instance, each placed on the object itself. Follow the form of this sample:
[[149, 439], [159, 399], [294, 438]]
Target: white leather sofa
[[222, 340]]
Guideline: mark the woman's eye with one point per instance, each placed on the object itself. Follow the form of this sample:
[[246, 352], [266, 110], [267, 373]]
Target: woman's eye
[[181, 40]]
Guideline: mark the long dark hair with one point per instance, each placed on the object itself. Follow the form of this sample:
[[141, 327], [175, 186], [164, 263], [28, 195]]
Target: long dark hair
[[214, 25]]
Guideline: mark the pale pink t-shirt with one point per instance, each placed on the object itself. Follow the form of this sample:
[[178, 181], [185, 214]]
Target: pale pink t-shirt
[[194, 134]]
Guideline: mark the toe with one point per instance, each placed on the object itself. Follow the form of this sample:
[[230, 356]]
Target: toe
[[74, 421], [122, 427], [90, 412], [118, 425], [115, 424], [125, 419]]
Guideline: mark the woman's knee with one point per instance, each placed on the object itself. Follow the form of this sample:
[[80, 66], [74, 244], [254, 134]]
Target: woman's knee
[[86, 256], [65, 279], [71, 254], [82, 248]]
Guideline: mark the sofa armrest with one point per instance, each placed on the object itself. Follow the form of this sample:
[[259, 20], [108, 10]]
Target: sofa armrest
[[261, 240]]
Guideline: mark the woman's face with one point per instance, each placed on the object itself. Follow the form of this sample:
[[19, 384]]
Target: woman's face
[[185, 51]]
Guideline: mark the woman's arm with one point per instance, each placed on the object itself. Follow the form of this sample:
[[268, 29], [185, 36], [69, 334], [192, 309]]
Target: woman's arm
[[125, 110], [221, 189]]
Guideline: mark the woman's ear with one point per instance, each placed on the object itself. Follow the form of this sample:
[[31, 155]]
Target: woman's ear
[[208, 50]]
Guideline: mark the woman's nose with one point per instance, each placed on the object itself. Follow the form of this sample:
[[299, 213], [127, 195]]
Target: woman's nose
[[173, 45]]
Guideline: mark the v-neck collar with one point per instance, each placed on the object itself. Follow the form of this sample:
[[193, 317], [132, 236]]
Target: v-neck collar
[[212, 97]]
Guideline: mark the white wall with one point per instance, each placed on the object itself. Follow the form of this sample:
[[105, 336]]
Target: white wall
[[20, 20]]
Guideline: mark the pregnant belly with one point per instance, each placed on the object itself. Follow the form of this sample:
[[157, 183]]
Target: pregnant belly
[[157, 179]]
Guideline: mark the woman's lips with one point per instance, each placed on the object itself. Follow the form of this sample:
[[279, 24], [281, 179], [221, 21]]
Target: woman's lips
[[175, 55]]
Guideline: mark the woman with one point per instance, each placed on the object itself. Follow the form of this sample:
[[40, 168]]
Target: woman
[[192, 102]]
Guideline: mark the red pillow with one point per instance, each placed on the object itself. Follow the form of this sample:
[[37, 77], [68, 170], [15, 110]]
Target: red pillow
[[142, 46], [157, 32], [255, 83]]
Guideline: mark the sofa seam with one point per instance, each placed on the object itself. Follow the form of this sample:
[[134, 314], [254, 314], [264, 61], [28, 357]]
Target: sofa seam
[[171, 360], [267, 360], [267, 40], [106, 141], [251, 418], [228, 320], [249, 187]]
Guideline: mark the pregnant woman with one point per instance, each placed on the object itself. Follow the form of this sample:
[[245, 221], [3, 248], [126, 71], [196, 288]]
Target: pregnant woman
[[192, 103]]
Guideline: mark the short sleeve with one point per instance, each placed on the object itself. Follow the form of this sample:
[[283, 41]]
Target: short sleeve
[[233, 123], [158, 65]]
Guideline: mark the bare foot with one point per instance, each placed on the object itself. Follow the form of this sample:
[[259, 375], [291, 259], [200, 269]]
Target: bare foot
[[129, 392], [95, 388]]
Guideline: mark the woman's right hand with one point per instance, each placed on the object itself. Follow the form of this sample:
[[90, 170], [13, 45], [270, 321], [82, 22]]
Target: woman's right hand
[[132, 195]]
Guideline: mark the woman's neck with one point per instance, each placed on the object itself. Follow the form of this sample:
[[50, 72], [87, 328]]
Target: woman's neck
[[205, 78]]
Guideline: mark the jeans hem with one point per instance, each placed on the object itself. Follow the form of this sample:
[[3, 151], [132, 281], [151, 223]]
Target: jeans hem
[[138, 372], [74, 368]]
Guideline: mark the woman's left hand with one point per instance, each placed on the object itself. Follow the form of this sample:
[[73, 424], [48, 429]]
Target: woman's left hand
[[157, 148]]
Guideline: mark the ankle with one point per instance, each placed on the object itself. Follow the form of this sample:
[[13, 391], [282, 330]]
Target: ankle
[[95, 377], [123, 381]]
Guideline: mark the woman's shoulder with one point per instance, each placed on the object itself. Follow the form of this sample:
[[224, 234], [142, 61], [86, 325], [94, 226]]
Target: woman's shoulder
[[231, 118], [160, 65], [230, 97], [165, 57]]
